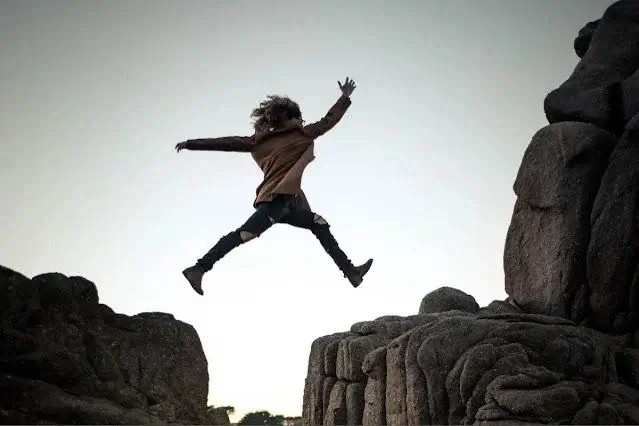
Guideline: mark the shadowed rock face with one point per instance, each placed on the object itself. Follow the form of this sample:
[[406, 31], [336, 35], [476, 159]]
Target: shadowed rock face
[[573, 243], [582, 42], [67, 359], [564, 347], [602, 89], [549, 235]]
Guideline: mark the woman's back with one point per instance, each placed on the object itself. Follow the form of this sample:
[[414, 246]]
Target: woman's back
[[282, 155]]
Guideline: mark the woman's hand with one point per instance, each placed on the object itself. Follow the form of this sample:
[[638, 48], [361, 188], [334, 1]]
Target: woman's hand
[[347, 88]]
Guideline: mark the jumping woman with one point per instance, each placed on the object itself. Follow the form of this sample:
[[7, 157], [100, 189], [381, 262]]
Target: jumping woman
[[282, 146]]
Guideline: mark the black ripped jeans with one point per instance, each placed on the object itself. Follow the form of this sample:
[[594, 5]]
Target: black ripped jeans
[[283, 209]]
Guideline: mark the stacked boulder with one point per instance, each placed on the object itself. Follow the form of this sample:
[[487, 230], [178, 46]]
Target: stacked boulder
[[572, 248]]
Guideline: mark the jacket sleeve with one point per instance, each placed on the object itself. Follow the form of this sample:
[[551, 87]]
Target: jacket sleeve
[[226, 143], [329, 121]]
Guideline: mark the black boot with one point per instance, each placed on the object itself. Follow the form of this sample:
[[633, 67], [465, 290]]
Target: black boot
[[195, 273], [357, 278], [355, 274]]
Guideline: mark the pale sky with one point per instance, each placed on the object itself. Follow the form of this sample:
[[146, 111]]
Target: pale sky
[[418, 175]]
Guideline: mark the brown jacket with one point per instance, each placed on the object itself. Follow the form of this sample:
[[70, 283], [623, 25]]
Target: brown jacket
[[282, 154]]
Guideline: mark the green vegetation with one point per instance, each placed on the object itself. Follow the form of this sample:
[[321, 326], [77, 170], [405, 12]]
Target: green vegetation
[[266, 418], [261, 418], [220, 416]]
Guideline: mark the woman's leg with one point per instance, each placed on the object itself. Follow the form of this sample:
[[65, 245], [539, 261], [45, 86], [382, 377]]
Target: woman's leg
[[306, 219], [263, 218]]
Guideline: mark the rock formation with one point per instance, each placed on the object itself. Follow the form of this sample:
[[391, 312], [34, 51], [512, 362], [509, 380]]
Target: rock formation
[[67, 359], [572, 246], [563, 348]]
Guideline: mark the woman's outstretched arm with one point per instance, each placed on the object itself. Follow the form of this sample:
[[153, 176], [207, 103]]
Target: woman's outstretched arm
[[335, 114], [225, 143]]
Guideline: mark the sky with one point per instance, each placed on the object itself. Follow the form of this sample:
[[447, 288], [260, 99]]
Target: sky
[[418, 175]]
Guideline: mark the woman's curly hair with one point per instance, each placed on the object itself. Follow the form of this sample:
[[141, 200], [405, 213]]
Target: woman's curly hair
[[273, 111]]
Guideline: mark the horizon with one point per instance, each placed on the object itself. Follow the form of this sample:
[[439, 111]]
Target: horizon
[[418, 174]]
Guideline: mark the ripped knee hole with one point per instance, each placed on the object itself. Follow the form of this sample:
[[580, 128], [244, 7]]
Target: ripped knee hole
[[246, 236], [319, 220]]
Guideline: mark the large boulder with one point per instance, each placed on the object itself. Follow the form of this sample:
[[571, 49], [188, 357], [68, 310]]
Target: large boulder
[[547, 241], [447, 299], [65, 358], [613, 252], [601, 89]]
